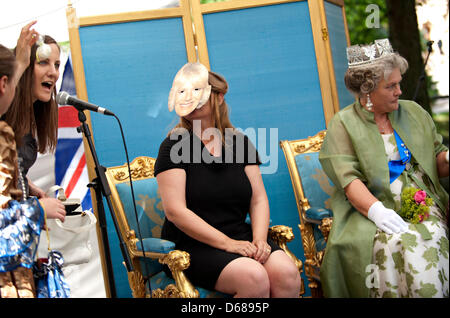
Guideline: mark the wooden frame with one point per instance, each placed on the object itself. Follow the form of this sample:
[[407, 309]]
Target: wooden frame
[[324, 58], [324, 55], [199, 9], [320, 35], [342, 5]]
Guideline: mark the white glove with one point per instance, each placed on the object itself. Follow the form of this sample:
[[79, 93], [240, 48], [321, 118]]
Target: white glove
[[385, 219]]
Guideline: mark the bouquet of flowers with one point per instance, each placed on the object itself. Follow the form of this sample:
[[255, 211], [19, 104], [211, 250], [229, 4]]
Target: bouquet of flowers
[[415, 209]]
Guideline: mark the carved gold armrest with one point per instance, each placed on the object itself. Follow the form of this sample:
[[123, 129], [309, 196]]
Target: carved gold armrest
[[178, 261], [325, 227]]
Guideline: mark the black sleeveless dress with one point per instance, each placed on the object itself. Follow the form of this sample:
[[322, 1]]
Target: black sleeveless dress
[[217, 190]]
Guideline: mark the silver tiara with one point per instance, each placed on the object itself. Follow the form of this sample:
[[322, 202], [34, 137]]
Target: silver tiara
[[365, 54]]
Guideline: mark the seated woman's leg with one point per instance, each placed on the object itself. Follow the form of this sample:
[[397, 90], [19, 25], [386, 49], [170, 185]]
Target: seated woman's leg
[[244, 278], [283, 275]]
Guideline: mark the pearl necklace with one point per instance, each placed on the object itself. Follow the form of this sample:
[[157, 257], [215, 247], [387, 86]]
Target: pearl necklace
[[384, 127], [21, 180]]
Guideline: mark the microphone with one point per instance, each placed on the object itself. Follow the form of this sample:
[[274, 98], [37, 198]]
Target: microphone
[[63, 98]]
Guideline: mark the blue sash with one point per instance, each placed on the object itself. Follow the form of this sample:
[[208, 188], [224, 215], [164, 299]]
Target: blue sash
[[396, 167]]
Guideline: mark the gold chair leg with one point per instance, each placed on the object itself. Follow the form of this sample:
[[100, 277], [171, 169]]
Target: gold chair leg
[[137, 284], [316, 288]]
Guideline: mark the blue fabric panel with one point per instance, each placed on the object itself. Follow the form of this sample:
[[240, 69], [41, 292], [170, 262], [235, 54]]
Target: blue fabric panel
[[316, 185], [268, 57], [129, 68], [338, 43]]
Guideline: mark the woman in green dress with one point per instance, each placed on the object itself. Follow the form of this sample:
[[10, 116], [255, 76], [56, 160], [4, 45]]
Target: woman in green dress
[[374, 149]]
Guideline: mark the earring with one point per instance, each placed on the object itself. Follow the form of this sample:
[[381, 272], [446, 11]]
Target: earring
[[369, 104]]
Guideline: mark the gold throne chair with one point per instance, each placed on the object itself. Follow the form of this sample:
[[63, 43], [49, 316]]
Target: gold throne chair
[[150, 216], [312, 190]]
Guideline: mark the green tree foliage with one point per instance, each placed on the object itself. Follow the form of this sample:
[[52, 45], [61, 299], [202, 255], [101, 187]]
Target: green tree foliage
[[361, 23], [369, 20]]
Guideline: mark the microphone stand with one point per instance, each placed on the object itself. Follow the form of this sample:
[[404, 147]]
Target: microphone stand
[[422, 76], [101, 187]]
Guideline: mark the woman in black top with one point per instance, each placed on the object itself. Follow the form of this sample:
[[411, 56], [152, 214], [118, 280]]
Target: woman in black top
[[209, 180]]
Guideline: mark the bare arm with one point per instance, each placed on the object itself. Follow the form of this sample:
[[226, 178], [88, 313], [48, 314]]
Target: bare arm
[[26, 40], [442, 164], [359, 196], [35, 190], [259, 204], [172, 186], [259, 213]]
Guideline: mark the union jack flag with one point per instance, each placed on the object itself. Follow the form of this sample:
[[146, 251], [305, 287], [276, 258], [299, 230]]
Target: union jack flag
[[70, 161]]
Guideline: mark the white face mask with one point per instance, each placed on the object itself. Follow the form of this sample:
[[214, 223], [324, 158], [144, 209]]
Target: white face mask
[[44, 50], [190, 89]]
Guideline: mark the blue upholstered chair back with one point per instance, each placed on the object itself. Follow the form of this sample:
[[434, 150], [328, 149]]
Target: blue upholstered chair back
[[150, 216], [317, 187], [150, 213], [312, 187], [313, 191]]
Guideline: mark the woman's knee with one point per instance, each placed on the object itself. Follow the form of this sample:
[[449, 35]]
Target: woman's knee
[[284, 275], [288, 274], [254, 281], [245, 278]]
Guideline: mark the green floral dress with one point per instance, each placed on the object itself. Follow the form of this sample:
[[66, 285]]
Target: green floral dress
[[406, 265]]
